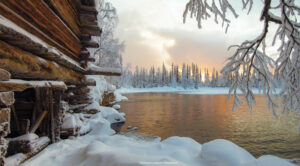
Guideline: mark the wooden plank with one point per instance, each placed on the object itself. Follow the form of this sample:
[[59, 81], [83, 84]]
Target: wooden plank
[[38, 122], [68, 12], [36, 17], [22, 64], [4, 75], [13, 110], [52, 120]]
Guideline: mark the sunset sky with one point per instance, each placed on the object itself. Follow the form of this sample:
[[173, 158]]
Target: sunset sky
[[154, 33]]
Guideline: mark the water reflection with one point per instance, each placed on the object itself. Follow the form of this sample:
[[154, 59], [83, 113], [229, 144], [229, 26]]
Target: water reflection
[[208, 117]]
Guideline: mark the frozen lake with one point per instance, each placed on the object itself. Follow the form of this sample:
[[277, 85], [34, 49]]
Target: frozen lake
[[208, 117]]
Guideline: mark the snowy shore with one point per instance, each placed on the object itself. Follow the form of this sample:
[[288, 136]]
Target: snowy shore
[[103, 147], [180, 90]]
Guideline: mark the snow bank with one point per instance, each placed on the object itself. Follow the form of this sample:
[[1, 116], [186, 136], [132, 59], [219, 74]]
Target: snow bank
[[102, 147], [268, 160], [224, 153]]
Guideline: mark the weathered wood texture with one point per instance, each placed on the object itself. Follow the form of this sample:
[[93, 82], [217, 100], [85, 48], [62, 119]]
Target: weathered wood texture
[[90, 44], [105, 73], [88, 9], [87, 19], [21, 85], [4, 75], [22, 64], [108, 98], [58, 114], [92, 30], [80, 99], [79, 90], [84, 83], [88, 2], [39, 14], [28, 146], [20, 40], [7, 98], [5, 130], [68, 11]]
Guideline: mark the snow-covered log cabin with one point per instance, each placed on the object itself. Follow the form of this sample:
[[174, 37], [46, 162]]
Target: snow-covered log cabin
[[43, 66]]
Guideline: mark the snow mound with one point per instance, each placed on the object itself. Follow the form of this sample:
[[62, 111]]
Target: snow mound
[[71, 121], [116, 106], [119, 97], [112, 115], [268, 160], [224, 153]]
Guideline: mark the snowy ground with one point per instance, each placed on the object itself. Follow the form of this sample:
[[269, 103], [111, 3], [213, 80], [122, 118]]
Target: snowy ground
[[200, 90], [102, 147]]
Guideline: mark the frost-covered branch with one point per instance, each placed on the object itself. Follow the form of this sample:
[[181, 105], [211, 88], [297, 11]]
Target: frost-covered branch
[[251, 59]]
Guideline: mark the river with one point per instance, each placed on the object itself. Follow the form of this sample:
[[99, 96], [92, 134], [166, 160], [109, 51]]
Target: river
[[208, 117]]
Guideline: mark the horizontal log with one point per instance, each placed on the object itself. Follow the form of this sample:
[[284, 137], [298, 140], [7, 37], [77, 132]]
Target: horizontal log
[[92, 30], [88, 9], [38, 19], [80, 99], [88, 2], [68, 12], [22, 64], [7, 98], [4, 75], [20, 40], [84, 54], [87, 19], [79, 90], [86, 23], [21, 85], [88, 59], [105, 73], [84, 83], [85, 37], [90, 44]]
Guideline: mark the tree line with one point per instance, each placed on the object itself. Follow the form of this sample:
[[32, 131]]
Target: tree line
[[185, 76]]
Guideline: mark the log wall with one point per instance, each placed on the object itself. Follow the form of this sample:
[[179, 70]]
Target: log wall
[[22, 64]]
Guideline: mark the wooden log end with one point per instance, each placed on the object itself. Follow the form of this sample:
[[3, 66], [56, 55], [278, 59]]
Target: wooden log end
[[4, 75]]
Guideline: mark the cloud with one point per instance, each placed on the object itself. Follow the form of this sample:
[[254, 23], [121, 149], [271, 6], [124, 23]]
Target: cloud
[[154, 33]]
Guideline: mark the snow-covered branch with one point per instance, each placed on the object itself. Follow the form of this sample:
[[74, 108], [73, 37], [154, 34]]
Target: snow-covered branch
[[251, 59]]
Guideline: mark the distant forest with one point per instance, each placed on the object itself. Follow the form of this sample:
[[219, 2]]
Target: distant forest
[[186, 76]]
